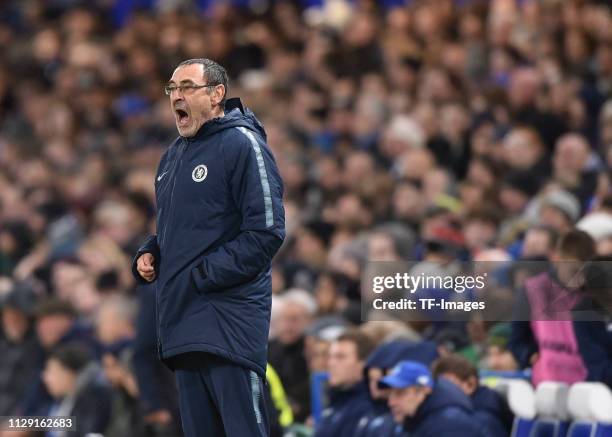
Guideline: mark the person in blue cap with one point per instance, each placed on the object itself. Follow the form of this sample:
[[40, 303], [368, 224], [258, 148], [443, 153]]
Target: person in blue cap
[[380, 423], [426, 407]]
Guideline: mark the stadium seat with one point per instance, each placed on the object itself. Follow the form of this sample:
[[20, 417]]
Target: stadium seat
[[551, 407], [521, 400], [590, 406]]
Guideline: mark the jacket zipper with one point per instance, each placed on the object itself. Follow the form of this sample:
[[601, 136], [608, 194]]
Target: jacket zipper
[[174, 175], [176, 169]]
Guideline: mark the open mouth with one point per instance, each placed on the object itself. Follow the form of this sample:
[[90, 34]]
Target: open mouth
[[182, 116]]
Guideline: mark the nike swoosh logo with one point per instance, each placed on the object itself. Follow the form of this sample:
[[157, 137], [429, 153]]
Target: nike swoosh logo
[[159, 178]]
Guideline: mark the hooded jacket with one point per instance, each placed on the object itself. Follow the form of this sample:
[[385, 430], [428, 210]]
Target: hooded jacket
[[492, 412], [220, 220], [345, 410], [446, 412], [379, 423]]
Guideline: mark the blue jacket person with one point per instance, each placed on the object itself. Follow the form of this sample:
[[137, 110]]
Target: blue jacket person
[[220, 220]]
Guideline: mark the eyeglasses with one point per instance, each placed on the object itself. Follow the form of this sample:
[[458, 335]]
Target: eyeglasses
[[185, 89]]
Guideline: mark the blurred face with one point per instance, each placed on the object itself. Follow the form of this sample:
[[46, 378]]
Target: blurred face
[[345, 367], [292, 322], [112, 370], [14, 323], [317, 354], [480, 174], [466, 387], [59, 380], [554, 218], [66, 277], [381, 248], [193, 107], [604, 247], [326, 295], [358, 167], [571, 153], [309, 248], [374, 375], [521, 149], [51, 328], [513, 200], [537, 243], [478, 234], [404, 402], [500, 359], [110, 327], [408, 202], [569, 270]]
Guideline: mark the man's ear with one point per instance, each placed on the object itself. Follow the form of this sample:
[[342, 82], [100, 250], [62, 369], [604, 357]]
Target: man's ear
[[472, 384], [218, 94]]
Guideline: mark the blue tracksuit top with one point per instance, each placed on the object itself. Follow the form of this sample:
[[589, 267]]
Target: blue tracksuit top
[[220, 220]]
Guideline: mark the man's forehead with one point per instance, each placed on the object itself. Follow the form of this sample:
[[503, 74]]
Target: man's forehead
[[193, 72]]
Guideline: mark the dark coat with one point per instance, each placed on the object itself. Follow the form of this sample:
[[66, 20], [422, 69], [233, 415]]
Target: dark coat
[[19, 366], [37, 399], [90, 404], [156, 384], [290, 364], [379, 423], [345, 410], [492, 412], [446, 412], [220, 220]]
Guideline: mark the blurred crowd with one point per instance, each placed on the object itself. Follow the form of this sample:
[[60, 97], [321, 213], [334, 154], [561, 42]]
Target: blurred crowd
[[420, 130]]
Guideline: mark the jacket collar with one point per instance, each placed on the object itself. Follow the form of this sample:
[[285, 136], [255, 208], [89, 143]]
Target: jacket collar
[[213, 124]]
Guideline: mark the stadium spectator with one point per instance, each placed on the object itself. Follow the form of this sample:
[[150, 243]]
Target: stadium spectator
[[379, 421], [490, 409], [21, 353], [72, 379], [348, 392], [286, 352], [116, 331], [548, 340], [424, 407], [57, 325], [498, 357]]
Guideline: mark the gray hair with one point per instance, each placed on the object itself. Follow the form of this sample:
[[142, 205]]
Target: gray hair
[[298, 296], [214, 74], [124, 306]]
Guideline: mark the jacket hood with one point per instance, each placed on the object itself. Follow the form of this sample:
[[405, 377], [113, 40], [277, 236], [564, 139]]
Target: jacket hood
[[236, 115], [389, 354], [444, 395], [485, 398]]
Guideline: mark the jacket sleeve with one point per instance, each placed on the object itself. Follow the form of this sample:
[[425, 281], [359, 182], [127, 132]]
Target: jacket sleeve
[[257, 190], [595, 346], [522, 343], [148, 246]]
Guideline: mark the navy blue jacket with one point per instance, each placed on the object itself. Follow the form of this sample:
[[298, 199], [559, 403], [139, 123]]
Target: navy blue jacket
[[492, 412], [593, 330], [157, 388], [446, 412], [381, 425], [220, 220], [379, 422], [345, 410]]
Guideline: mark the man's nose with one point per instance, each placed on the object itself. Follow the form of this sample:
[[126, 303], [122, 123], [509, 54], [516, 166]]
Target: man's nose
[[175, 96]]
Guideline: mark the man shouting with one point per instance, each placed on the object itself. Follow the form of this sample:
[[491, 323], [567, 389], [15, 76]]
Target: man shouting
[[220, 220]]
